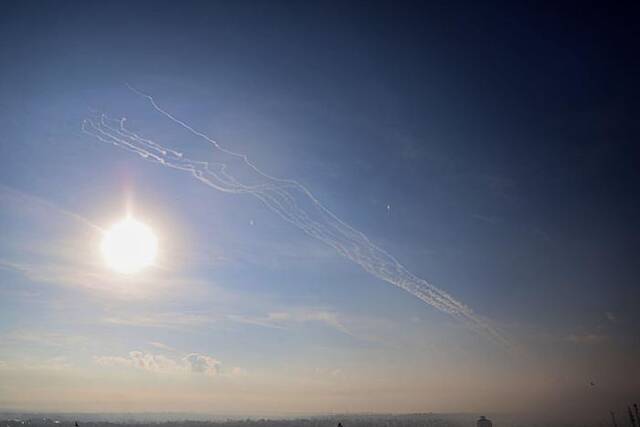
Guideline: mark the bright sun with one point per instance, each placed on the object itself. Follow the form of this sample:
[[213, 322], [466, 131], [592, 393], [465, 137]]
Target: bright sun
[[129, 246]]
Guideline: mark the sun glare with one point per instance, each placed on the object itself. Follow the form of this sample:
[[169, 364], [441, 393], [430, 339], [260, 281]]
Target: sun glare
[[129, 246]]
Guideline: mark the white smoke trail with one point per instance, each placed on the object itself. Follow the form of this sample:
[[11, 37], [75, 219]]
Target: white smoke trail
[[291, 201]]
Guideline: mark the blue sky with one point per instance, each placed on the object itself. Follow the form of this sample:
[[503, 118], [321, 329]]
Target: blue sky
[[491, 161]]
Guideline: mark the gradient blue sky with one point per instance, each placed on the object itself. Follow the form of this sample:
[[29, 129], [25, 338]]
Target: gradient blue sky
[[501, 137]]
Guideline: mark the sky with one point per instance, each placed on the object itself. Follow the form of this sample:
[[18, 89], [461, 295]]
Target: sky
[[490, 149]]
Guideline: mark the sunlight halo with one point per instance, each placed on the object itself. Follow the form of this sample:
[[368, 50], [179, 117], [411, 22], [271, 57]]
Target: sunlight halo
[[129, 246]]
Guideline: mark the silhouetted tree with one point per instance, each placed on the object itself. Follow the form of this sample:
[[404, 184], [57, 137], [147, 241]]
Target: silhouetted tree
[[631, 417]]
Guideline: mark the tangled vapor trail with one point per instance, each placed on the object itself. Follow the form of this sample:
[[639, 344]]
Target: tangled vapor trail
[[290, 200]]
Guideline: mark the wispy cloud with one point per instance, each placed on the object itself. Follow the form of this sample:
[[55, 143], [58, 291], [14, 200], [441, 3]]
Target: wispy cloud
[[62, 250], [57, 363], [161, 346], [362, 328], [328, 372], [264, 321], [69, 275], [587, 338], [52, 339], [96, 279], [170, 320], [284, 319], [35, 205], [487, 218]]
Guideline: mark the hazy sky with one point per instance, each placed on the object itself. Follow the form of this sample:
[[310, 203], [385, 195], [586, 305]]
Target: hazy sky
[[491, 148]]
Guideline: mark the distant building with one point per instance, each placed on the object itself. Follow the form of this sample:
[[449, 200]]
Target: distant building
[[484, 422]]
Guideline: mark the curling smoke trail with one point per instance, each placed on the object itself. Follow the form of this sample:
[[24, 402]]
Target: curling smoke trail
[[291, 201]]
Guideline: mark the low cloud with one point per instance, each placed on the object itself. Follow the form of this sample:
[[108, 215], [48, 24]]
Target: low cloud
[[195, 363], [139, 360], [202, 364]]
